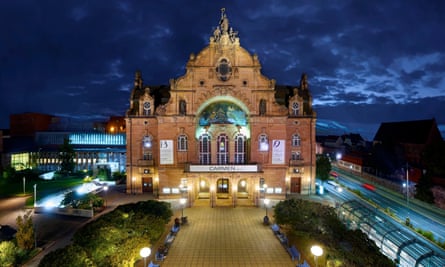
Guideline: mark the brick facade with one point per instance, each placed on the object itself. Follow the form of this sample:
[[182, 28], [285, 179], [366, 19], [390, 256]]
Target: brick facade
[[219, 131]]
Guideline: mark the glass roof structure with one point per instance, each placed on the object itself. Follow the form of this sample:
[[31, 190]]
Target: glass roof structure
[[395, 241]]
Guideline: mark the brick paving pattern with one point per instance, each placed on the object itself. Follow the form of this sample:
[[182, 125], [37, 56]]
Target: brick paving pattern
[[226, 236]]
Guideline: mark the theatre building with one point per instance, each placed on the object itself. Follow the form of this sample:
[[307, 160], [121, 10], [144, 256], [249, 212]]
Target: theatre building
[[222, 133]]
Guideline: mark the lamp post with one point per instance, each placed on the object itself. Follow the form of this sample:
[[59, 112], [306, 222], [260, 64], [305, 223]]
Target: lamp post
[[24, 182], [35, 195], [105, 190], [264, 189], [266, 202], [407, 186], [182, 201], [145, 252], [316, 251]]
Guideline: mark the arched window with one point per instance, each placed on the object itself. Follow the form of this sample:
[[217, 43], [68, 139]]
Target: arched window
[[147, 145], [182, 107], [262, 107], [223, 149], [147, 108], [182, 143], [295, 108], [263, 142], [296, 155], [240, 149], [204, 149], [296, 140]]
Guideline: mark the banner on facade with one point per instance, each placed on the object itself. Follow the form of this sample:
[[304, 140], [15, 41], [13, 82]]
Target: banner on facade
[[278, 151], [223, 168], [166, 151]]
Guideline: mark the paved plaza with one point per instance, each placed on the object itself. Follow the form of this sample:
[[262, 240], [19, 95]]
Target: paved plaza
[[226, 236]]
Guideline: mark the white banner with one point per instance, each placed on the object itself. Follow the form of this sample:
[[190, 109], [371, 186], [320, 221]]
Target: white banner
[[278, 151], [166, 151], [223, 168]]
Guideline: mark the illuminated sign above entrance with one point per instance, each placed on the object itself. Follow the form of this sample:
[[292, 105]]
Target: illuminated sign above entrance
[[223, 168]]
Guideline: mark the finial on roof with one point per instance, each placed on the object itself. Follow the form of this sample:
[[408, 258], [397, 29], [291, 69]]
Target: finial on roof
[[223, 33]]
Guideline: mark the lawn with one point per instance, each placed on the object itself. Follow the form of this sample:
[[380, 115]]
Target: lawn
[[44, 188]]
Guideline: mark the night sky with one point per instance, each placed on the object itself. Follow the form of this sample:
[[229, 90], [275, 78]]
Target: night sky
[[367, 61]]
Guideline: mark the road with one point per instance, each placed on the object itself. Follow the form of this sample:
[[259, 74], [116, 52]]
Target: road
[[419, 217]]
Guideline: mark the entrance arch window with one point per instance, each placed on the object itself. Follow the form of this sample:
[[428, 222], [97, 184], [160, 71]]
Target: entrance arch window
[[147, 144], [240, 149], [222, 186], [204, 149], [182, 143], [223, 149], [242, 186], [296, 140], [263, 142]]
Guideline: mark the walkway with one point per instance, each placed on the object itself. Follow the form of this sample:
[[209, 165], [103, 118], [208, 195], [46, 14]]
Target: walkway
[[226, 236]]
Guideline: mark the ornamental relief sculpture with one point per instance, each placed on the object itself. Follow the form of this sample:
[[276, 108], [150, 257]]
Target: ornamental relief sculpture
[[224, 91]]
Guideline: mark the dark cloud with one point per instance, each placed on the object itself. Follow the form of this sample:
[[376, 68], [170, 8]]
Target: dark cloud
[[367, 61]]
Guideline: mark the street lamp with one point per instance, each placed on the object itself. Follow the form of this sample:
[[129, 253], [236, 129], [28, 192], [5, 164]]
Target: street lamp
[[317, 251], [106, 189], [182, 201], [407, 187], [35, 195], [145, 252], [264, 191], [266, 202], [24, 182]]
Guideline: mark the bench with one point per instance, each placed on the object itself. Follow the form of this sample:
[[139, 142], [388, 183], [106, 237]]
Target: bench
[[159, 256], [304, 264], [175, 229], [282, 238], [275, 228], [169, 239], [293, 252], [151, 264]]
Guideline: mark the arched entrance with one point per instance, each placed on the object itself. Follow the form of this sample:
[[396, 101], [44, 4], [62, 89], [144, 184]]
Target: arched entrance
[[203, 188], [223, 188], [242, 192]]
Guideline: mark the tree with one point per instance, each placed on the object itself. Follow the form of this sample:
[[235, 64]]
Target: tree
[[423, 188], [25, 231], [323, 167], [66, 157], [8, 253]]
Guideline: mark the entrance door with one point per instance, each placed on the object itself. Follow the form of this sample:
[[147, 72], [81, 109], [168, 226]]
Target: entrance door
[[222, 188], [295, 184], [147, 184]]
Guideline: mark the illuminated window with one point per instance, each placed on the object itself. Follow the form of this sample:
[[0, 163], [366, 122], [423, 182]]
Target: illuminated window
[[263, 142], [204, 149], [240, 149], [147, 145], [223, 149], [182, 143], [296, 140]]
